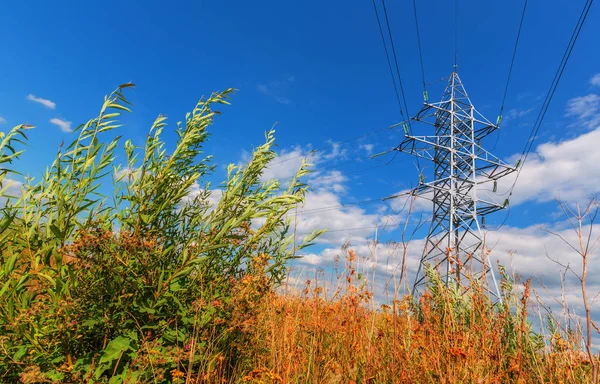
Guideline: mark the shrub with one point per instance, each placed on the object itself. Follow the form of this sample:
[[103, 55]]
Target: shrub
[[142, 285]]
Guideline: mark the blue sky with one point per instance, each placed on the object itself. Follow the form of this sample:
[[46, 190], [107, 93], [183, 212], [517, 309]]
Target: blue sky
[[317, 69]]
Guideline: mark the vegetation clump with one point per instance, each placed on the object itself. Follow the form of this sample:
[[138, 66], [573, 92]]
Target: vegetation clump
[[162, 279], [144, 285]]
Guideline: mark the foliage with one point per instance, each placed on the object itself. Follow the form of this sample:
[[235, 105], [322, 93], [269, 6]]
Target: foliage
[[132, 287], [160, 278]]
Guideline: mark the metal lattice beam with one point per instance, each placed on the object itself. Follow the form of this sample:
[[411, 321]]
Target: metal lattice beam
[[455, 242]]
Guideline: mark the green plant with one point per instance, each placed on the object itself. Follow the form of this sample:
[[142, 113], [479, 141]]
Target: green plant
[[137, 286]]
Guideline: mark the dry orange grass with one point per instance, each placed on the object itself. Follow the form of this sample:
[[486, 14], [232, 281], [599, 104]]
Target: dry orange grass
[[310, 338]]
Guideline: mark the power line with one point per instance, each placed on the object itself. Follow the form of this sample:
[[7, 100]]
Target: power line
[[395, 60], [387, 55], [420, 51], [557, 77], [550, 94], [356, 203], [332, 207], [512, 62], [382, 226], [389, 30], [353, 229], [455, 34]]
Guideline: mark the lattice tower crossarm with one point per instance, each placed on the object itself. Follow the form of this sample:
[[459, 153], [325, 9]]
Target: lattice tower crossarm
[[455, 242]]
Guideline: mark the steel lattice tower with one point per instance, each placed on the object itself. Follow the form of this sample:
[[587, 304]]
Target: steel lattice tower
[[455, 242]]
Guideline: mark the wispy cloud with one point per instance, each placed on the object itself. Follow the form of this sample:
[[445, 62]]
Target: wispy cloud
[[367, 147], [586, 109], [595, 80], [2, 120], [45, 102], [515, 112], [277, 89], [64, 125]]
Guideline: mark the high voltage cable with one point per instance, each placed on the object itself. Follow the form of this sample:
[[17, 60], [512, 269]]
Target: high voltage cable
[[395, 61], [555, 81], [356, 203], [420, 51], [558, 76], [554, 85], [389, 30], [455, 34], [400, 103], [332, 207], [512, 62], [382, 226], [387, 55]]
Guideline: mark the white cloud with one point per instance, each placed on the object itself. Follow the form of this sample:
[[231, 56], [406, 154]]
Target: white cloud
[[337, 152], [45, 102], [127, 172], [13, 187], [287, 163], [64, 125], [524, 252], [586, 109], [567, 169], [324, 209], [517, 113], [2, 120], [367, 147], [213, 198], [595, 80], [328, 180]]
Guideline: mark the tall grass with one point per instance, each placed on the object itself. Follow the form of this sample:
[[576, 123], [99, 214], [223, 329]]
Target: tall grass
[[444, 337], [159, 282]]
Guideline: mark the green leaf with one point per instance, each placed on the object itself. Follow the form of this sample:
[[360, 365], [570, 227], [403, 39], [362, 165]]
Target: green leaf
[[20, 353], [115, 348], [91, 322]]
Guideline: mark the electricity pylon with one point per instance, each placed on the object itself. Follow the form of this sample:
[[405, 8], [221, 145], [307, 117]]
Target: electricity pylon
[[455, 242]]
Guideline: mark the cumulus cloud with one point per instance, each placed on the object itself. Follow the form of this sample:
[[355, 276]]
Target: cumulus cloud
[[285, 166], [45, 102], [324, 209], [13, 187], [567, 169], [2, 120], [64, 125], [196, 190], [332, 179], [325, 206], [526, 253]]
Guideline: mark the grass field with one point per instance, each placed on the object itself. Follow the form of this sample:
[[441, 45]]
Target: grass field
[[148, 283]]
